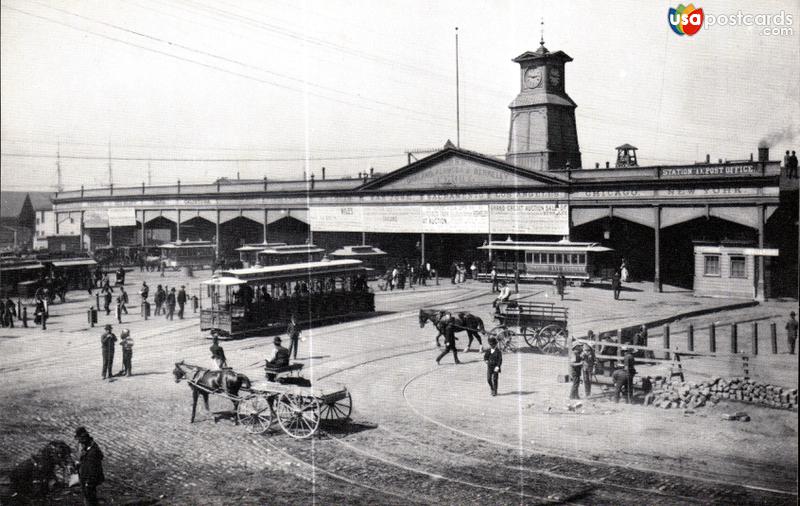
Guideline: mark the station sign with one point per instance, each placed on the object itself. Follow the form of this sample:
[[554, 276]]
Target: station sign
[[710, 170]]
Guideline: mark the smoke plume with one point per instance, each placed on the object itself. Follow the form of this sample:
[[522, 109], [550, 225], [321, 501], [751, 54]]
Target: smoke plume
[[786, 133]]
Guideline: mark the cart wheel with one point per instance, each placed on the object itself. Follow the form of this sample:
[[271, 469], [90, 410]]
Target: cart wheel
[[255, 414], [554, 339], [531, 337], [505, 338], [338, 410], [508, 344], [298, 415]]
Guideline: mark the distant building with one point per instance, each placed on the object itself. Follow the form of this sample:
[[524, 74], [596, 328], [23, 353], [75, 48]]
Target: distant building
[[18, 217]]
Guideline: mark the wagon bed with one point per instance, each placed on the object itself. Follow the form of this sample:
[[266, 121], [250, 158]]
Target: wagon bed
[[543, 325]]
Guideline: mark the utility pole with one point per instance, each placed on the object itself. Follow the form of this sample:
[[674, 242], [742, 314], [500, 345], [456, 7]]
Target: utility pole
[[59, 184], [458, 102], [149, 174], [110, 171]]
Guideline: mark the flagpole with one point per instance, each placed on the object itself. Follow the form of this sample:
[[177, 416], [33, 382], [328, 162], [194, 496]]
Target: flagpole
[[458, 104]]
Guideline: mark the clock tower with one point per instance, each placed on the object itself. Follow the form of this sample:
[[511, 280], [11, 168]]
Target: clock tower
[[543, 135]]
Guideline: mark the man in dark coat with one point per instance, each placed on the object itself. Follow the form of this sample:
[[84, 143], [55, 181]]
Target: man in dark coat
[[90, 466], [181, 299], [576, 371], [293, 331], [494, 360], [629, 364], [561, 283], [620, 378], [9, 313], [616, 284], [791, 332], [107, 341], [449, 339], [171, 304], [107, 302], [588, 368], [159, 299], [279, 358]]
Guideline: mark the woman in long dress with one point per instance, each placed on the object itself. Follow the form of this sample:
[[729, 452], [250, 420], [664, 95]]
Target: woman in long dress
[[624, 274]]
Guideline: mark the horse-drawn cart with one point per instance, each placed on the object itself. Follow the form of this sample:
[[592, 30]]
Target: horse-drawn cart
[[542, 325], [297, 406]]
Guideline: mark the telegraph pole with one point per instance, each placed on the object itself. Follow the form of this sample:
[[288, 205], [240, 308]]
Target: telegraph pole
[[110, 172], [59, 183], [458, 104]]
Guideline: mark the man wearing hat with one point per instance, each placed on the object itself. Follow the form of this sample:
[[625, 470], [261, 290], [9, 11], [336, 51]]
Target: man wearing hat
[[90, 466], [588, 367], [791, 332], [629, 363], [620, 378], [494, 359], [107, 341], [181, 299], [293, 332], [449, 338], [279, 358], [171, 303], [218, 360], [576, 370]]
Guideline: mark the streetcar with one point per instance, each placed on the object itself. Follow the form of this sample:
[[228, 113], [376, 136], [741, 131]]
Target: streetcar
[[290, 254], [19, 276], [194, 254], [578, 262], [248, 254], [240, 301], [375, 259]]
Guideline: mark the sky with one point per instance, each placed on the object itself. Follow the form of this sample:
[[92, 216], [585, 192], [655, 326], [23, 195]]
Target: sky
[[195, 90]]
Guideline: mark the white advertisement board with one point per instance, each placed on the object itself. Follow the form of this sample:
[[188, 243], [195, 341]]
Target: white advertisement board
[[536, 219], [336, 219], [121, 217]]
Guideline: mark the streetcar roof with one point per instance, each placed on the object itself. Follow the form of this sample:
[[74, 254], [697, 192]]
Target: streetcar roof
[[19, 266], [274, 272], [358, 251], [224, 281], [546, 247], [260, 247], [291, 249], [73, 262], [190, 244]]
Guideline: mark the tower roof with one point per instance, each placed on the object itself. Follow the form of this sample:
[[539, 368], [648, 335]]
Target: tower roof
[[542, 54], [626, 146]]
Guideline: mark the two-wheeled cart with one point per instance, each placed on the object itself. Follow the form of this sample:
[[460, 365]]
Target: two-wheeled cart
[[542, 325], [298, 409]]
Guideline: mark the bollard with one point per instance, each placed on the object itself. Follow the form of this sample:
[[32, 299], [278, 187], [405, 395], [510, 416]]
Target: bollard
[[437, 276], [97, 300], [773, 331], [755, 338], [734, 338], [666, 340], [690, 337], [712, 338]]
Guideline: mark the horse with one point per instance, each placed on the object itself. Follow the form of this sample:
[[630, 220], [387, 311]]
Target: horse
[[203, 381], [461, 321], [50, 468]]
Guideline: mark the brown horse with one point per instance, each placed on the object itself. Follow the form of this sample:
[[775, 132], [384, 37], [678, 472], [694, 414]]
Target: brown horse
[[205, 381], [461, 321]]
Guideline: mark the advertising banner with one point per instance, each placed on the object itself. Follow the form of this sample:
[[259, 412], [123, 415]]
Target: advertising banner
[[121, 217], [535, 219], [336, 219]]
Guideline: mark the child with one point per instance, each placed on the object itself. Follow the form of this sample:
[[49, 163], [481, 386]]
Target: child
[[127, 352]]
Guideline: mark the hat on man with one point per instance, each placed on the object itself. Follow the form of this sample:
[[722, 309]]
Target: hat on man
[[108, 326], [80, 431], [792, 313], [277, 340], [125, 333]]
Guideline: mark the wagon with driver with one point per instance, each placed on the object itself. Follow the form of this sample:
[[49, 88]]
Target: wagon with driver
[[298, 409], [542, 325]]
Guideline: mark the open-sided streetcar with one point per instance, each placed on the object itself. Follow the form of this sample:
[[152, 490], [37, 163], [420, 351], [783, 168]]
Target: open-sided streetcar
[[235, 302], [579, 262]]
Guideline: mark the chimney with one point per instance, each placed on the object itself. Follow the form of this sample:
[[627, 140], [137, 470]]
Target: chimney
[[312, 180], [359, 174], [596, 165], [763, 154], [607, 165], [323, 172], [371, 172], [708, 158], [751, 157]]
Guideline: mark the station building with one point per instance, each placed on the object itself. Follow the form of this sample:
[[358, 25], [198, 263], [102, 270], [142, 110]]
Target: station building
[[442, 207]]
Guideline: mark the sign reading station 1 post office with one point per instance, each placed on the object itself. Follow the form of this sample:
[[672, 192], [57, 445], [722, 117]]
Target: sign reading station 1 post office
[[707, 170], [536, 219]]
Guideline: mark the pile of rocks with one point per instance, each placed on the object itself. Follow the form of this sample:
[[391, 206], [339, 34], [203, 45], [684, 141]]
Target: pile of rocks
[[681, 394]]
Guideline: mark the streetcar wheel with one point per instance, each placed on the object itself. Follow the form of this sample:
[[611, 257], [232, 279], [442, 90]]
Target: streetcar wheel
[[554, 339], [298, 415], [337, 411], [255, 414]]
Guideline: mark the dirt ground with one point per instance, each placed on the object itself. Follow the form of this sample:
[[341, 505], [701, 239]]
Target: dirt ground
[[419, 433]]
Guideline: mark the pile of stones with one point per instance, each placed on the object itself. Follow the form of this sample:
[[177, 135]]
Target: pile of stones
[[692, 395]]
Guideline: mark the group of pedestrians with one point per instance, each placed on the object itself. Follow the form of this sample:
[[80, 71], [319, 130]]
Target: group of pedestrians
[[166, 299], [790, 164], [459, 272]]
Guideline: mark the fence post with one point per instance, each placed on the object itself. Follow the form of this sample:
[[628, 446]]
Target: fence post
[[773, 330], [690, 337], [666, 340], [755, 338], [712, 338], [734, 338]]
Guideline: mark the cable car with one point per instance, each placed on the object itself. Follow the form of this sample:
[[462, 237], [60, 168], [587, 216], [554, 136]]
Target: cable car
[[248, 254], [195, 254], [580, 262], [236, 302], [290, 254], [375, 259]]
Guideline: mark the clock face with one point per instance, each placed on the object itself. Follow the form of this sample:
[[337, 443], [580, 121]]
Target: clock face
[[533, 78], [555, 76]]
